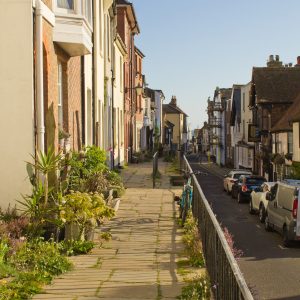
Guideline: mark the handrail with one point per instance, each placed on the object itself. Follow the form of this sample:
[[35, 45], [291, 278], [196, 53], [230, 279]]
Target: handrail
[[244, 292]]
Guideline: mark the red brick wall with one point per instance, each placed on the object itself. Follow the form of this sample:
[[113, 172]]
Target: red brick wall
[[123, 28], [50, 87], [74, 101], [53, 54]]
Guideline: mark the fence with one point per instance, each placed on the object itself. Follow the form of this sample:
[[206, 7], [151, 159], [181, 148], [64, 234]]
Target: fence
[[225, 275], [155, 168]]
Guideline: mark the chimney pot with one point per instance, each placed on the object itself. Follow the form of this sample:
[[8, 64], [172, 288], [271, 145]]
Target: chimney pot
[[277, 57], [271, 58], [298, 60], [173, 101]]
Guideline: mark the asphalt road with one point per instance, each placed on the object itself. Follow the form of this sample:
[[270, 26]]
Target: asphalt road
[[270, 270]]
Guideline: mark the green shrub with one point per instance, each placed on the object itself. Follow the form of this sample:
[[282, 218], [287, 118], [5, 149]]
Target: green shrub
[[41, 257], [75, 247], [20, 288], [95, 159], [34, 264], [198, 288], [192, 241]]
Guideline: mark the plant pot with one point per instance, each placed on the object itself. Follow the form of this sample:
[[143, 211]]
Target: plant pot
[[72, 232], [89, 230], [89, 233]]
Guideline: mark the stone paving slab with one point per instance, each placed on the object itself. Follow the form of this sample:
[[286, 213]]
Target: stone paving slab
[[139, 262]]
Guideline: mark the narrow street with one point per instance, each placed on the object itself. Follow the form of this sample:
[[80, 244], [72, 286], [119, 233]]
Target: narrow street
[[271, 270]]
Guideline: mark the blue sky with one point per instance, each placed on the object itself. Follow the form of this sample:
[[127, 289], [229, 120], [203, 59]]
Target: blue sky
[[192, 46]]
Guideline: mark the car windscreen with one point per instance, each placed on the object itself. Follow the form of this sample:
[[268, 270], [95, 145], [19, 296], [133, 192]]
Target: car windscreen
[[255, 181], [237, 175]]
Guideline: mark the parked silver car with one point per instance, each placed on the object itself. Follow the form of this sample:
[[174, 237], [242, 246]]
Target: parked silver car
[[258, 202], [282, 210]]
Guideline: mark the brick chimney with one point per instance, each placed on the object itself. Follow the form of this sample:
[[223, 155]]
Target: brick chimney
[[173, 101], [274, 62]]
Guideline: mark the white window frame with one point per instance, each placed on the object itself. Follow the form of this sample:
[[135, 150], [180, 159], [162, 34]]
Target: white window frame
[[88, 15]]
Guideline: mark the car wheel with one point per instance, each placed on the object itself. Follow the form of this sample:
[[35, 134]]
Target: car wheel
[[267, 224], [262, 214], [251, 210], [285, 238], [239, 198]]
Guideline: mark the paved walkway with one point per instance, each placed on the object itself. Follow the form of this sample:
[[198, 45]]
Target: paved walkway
[[140, 260]]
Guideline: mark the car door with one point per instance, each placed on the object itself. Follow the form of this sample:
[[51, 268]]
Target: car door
[[272, 206]]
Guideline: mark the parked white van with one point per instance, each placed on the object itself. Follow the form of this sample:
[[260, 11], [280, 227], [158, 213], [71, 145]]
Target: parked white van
[[282, 210]]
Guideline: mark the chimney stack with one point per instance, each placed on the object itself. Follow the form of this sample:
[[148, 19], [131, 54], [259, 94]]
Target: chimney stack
[[173, 101], [274, 62]]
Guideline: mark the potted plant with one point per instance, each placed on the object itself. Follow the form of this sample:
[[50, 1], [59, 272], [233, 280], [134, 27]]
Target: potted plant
[[81, 212]]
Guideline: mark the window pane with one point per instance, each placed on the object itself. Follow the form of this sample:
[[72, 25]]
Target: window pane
[[68, 4], [88, 11]]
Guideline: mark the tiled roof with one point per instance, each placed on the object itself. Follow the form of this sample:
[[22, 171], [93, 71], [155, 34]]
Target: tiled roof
[[292, 114], [172, 109], [275, 85]]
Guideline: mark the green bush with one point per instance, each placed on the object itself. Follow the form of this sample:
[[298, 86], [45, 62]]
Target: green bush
[[41, 257], [198, 288], [295, 172], [75, 247], [192, 241], [95, 159], [83, 165], [33, 265]]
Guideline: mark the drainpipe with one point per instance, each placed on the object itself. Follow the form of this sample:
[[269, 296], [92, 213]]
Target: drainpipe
[[39, 78]]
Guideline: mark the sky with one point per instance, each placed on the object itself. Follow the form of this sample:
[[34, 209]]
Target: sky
[[193, 46]]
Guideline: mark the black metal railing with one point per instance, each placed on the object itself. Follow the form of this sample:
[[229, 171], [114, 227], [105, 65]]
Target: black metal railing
[[155, 168], [225, 275]]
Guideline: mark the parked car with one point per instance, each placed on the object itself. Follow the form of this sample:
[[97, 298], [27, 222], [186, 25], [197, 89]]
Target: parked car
[[282, 210], [232, 177], [258, 202], [242, 188]]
